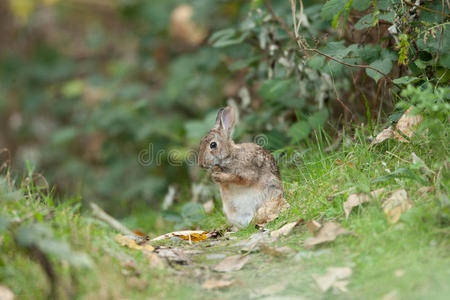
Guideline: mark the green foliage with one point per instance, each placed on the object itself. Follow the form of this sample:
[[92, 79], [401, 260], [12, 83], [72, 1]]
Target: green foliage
[[99, 112]]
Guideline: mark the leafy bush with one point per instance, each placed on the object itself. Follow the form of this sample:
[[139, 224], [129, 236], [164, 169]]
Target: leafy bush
[[111, 100]]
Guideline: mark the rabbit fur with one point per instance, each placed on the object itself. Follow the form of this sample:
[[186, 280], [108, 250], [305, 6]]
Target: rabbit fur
[[247, 174]]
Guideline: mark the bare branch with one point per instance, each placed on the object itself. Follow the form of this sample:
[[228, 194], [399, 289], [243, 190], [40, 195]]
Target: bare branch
[[427, 9], [102, 215]]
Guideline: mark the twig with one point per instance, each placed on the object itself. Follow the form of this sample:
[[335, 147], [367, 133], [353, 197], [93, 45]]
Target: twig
[[349, 65], [339, 99], [102, 215], [426, 8], [398, 157], [300, 41]]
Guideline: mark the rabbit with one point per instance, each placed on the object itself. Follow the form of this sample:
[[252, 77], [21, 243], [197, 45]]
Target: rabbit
[[247, 174]]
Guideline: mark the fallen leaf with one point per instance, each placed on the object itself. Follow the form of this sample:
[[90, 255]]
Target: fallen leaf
[[382, 136], [327, 233], [232, 263], [208, 206], [276, 252], [6, 293], [132, 242], [174, 255], [217, 284], [270, 210], [141, 236], [252, 244], [313, 226], [406, 125], [285, 230], [358, 199], [188, 235], [333, 278], [395, 205]]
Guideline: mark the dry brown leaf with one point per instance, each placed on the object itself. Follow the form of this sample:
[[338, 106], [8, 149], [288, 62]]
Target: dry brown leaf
[[333, 278], [382, 136], [253, 243], [270, 210], [407, 124], [313, 226], [188, 235], [183, 28], [276, 252], [327, 233], [232, 263], [132, 242], [208, 206], [284, 230], [6, 293], [395, 205], [175, 255], [217, 284], [358, 199]]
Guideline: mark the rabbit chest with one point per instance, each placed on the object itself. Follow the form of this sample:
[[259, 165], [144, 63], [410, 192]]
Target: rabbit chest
[[241, 203]]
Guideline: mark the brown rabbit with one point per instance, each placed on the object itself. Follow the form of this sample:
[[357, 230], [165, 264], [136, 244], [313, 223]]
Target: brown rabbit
[[248, 177]]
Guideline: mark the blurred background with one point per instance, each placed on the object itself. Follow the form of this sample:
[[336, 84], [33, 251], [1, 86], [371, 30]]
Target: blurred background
[[87, 86]]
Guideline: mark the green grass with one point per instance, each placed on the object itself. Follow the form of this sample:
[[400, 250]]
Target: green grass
[[409, 259]]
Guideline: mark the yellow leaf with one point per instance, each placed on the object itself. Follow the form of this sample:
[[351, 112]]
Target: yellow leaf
[[130, 242], [187, 235], [397, 204]]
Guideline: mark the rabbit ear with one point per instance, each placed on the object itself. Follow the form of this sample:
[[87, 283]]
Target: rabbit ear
[[219, 118], [227, 120]]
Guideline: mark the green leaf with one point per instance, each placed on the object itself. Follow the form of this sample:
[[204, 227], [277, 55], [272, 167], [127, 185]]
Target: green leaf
[[364, 22], [316, 62], [332, 8], [318, 119], [384, 66], [337, 50], [444, 60], [406, 80], [299, 131], [227, 37], [273, 89], [369, 53], [361, 4], [65, 135]]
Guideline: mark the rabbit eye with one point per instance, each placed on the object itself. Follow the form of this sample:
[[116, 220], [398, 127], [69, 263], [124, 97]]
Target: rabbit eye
[[213, 145]]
